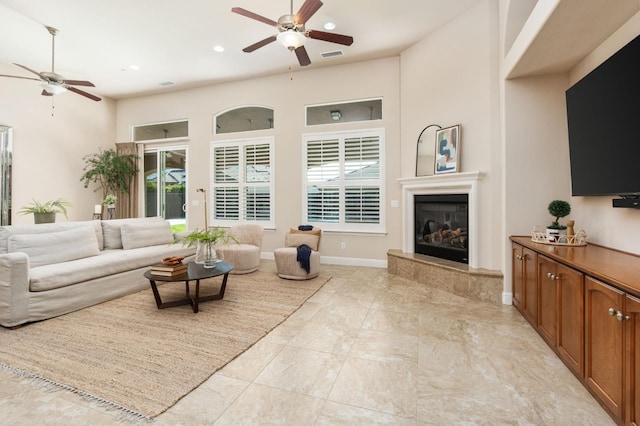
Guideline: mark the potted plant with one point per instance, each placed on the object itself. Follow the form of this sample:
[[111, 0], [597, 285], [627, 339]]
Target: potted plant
[[112, 171], [205, 241], [110, 201], [46, 212], [557, 209]]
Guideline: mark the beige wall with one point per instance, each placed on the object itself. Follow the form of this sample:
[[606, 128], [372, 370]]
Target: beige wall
[[288, 98], [451, 77], [48, 151], [537, 168]]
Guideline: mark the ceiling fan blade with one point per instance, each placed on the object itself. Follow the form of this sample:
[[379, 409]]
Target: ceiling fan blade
[[79, 83], [331, 37], [16, 76], [307, 10], [83, 93], [244, 12], [28, 69], [45, 93], [303, 56], [259, 44]]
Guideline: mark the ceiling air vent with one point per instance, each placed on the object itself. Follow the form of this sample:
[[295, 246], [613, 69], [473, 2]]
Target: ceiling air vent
[[332, 54], [166, 83]]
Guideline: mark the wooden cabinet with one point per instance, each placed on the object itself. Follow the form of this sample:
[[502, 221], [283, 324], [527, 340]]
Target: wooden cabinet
[[604, 343], [561, 311], [525, 282], [588, 311], [632, 360]]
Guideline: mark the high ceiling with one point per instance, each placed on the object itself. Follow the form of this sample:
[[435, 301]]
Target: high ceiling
[[173, 41]]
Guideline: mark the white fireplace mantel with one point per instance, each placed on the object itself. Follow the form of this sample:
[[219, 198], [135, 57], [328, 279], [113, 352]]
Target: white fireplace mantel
[[450, 183]]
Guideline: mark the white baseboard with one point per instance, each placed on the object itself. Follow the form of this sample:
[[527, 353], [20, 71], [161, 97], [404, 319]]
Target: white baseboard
[[346, 261], [507, 298]]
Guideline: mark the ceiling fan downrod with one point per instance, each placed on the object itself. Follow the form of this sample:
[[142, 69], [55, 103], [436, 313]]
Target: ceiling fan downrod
[[54, 33]]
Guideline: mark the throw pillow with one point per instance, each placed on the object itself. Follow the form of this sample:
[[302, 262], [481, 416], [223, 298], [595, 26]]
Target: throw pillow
[[56, 247], [145, 234], [297, 239]]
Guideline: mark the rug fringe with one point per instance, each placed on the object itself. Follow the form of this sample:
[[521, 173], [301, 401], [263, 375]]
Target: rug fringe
[[124, 414]]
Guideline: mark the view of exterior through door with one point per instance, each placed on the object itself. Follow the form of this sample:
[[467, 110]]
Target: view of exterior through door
[[165, 172]]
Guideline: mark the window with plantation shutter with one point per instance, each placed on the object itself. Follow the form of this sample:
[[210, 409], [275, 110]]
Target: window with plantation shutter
[[344, 181], [242, 187]]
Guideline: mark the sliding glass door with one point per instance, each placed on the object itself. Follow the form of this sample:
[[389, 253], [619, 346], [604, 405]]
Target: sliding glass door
[[165, 172]]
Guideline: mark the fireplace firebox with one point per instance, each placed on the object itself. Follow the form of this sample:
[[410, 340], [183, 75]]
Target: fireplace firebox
[[441, 226]]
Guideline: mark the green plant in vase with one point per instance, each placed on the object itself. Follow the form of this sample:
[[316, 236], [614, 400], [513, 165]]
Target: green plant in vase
[[557, 209], [206, 241]]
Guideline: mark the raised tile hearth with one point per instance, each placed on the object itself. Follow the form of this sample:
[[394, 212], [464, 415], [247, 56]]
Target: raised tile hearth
[[453, 277]]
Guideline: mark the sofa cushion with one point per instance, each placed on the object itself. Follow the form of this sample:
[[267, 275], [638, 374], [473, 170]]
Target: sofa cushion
[[112, 230], [45, 228], [108, 262], [55, 247], [145, 234]]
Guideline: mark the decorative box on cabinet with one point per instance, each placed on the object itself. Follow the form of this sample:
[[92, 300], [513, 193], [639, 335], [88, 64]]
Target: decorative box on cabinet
[[525, 282]]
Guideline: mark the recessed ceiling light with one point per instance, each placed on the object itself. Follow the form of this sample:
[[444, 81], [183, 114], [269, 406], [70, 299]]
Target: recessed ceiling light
[[218, 48], [329, 26]]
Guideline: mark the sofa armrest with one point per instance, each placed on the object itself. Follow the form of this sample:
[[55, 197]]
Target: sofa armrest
[[14, 288]]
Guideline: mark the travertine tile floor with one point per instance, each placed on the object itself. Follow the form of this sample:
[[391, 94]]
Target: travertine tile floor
[[368, 348]]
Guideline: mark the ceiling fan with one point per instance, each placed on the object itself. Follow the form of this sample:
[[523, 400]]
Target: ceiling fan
[[53, 83], [292, 33]]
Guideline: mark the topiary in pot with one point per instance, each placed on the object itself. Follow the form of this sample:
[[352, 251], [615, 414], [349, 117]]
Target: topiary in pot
[[557, 209]]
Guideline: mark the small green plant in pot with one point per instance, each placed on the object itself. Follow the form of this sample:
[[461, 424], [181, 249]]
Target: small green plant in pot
[[110, 200], [206, 241], [557, 209], [46, 212]]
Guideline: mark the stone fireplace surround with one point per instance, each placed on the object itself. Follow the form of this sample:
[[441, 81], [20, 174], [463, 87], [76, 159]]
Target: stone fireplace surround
[[457, 278]]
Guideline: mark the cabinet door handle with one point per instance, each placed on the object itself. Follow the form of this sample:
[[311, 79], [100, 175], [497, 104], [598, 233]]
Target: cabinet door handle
[[621, 317], [553, 276], [612, 312], [518, 257]]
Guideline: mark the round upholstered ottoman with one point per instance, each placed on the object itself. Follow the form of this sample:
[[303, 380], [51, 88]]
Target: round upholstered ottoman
[[289, 268], [245, 258]]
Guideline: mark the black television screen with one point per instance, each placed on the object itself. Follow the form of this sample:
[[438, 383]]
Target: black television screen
[[603, 112]]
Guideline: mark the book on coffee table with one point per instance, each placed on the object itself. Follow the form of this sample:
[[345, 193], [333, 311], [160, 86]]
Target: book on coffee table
[[161, 269], [169, 273]]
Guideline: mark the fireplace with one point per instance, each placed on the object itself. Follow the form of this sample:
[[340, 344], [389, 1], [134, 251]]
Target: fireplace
[[442, 226], [442, 184]]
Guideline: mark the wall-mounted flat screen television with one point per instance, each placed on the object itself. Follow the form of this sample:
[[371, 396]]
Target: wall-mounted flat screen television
[[603, 111]]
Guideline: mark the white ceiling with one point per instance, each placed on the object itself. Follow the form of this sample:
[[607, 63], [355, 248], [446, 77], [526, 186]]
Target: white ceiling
[[173, 40]]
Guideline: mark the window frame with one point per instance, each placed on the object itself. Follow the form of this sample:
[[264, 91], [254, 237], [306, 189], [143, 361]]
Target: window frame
[[242, 183], [380, 182]]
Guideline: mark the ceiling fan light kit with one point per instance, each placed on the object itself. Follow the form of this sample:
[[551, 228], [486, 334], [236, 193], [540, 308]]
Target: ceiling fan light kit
[[292, 33], [291, 39], [51, 82], [53, 89]]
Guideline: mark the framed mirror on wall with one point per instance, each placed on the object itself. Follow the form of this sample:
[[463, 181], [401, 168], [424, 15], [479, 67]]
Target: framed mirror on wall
[[5, 174], [426, 150]]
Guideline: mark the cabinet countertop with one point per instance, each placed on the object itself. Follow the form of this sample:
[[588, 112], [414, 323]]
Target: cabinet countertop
[[615, 267]]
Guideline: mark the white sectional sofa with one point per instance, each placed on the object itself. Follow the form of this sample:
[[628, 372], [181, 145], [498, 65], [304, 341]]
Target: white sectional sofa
[[52, 269]]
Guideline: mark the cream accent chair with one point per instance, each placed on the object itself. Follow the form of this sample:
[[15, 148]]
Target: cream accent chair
[[245, 256], [287, 265]]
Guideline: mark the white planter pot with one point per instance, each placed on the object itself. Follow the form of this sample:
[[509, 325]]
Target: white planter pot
[[554, 235]]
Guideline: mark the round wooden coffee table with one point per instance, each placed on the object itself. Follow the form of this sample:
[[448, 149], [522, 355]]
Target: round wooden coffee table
[[195, 272]]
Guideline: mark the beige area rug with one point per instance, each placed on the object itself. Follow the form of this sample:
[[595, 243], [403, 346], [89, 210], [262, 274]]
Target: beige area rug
[[128, 354]]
